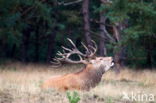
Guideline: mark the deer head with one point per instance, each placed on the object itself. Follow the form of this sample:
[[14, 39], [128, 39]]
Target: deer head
[[87, 58]]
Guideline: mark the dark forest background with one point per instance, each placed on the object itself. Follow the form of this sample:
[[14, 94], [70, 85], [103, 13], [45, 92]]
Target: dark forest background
[[34, 30]]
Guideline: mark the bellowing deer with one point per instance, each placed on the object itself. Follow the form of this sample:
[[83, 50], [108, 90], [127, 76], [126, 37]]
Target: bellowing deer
[[88, 77]]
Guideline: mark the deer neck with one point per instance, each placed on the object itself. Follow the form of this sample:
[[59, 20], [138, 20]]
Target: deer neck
[[92, 75]]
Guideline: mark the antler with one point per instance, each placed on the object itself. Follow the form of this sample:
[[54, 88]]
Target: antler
[[65, 55]]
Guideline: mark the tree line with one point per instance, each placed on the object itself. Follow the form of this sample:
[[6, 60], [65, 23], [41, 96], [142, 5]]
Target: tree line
[[34, 30]]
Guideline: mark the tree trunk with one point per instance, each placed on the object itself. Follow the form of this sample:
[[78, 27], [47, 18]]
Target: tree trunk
[[12, 53], [119, 53], [149, 53], [85, 10], [52, 36], [37, 44], [51, 43], [25, 44], [102, 46]]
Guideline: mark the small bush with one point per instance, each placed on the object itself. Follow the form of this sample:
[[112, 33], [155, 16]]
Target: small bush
[[73, 98]]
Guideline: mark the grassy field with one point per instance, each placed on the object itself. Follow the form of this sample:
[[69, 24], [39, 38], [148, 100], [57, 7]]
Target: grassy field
[[20, 83]]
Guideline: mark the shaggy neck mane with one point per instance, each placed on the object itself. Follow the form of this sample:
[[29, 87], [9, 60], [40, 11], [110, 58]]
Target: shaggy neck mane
[[91, 76]]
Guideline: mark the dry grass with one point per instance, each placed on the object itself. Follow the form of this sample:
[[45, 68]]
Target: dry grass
[[20, 83]]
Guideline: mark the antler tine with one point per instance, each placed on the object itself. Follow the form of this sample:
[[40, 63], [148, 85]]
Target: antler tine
[[94, 48], [59, 53], [81, 59], [63, 51], [75, 50], [72, 43], [67, 49], [94, 44], [85, 47], [57, 63]]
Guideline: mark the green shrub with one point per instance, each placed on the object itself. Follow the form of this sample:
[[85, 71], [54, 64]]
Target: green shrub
[[73, 97]]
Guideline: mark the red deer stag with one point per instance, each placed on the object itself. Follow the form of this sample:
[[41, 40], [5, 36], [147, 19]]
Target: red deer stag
[[88, 77]]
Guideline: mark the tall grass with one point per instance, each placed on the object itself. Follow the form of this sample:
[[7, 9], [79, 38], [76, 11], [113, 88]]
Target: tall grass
[[20, 83]]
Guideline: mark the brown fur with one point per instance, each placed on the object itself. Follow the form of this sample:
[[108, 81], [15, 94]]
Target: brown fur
[[82, 80]]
